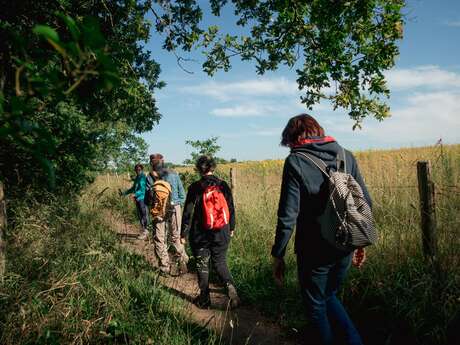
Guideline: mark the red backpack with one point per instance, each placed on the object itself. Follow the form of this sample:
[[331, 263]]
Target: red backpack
[[215, 208]]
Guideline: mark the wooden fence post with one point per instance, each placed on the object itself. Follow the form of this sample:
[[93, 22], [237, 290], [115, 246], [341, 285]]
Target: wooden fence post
[[427, 208], [2, 232], [232, 179]]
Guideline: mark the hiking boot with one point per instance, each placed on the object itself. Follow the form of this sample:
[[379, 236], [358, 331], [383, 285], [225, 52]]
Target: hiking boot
[[144, 236], [174, 271], [183, 267], [233, 296], [203, 301], [164, 272]]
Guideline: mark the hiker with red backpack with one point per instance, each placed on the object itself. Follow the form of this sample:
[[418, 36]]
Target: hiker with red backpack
[[166, 213], [324, 197], [209, 222]]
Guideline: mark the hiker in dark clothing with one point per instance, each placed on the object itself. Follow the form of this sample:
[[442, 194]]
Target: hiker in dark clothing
[[208, 243], [138, 193], [321, 267]]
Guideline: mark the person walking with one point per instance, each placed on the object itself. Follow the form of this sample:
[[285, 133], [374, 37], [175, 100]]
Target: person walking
[[138, 193], [321, 266], [173, 221], [209, 223]]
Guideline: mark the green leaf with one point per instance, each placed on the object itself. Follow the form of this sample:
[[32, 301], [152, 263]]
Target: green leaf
[[71, 25], [47, 32], [92, 35]]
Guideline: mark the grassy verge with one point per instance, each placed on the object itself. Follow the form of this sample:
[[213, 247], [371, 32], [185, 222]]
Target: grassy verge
[[397, 298], [68, 281]]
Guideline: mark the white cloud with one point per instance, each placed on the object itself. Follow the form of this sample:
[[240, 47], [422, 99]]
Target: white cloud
[[246, 110], [253, 87], [422, 76], [425, 118], [256, 107]]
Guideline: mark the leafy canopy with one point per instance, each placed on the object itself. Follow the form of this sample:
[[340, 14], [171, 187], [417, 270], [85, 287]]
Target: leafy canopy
[[76, 82], [76, 85], [338, 48]]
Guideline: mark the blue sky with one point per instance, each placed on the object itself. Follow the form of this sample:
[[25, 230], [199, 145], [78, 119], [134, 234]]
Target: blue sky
[[248, 112]]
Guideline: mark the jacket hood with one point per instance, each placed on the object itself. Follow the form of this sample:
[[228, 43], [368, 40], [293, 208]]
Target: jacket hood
[[324, 150]]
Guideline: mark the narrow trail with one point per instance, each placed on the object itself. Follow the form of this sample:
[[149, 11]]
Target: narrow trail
[[244, 325]]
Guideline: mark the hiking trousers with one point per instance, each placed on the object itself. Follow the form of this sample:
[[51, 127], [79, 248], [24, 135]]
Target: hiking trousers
[[142, 214], [319, 285], [214, 251], [160, 239], [175, 223]]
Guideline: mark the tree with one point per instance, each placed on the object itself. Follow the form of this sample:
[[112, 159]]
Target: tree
[[208, 147], [340, 48], [75, 86], [133, 151]]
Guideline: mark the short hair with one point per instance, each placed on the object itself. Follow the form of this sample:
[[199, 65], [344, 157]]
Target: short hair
[[157, 160], [138, 165], [156, 157], [300, 127], [205, 164]]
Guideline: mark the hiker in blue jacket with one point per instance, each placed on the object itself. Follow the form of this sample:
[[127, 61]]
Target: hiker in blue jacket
[[173, 222], [138, 193], [321, 267]]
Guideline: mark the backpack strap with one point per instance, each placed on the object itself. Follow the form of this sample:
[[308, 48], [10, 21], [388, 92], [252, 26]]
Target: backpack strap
[[316, 161], [341, 161]]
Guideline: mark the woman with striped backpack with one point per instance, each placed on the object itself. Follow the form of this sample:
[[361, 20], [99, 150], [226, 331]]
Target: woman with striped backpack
[[324, 197]]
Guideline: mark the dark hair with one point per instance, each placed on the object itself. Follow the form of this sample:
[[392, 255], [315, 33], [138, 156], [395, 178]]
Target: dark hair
[[157, 161], [300, 127], [156, 156], [138, 166], [205, 164]]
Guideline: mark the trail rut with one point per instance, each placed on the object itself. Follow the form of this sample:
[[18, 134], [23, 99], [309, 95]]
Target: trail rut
[[244, 325]]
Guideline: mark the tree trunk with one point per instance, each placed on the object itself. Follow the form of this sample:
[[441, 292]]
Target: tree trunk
[[2, 233]]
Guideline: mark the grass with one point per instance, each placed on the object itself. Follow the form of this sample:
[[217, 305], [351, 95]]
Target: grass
[[397, 297], [68, 281]]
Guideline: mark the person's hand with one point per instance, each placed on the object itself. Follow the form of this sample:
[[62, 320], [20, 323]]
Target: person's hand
[[232, 232], [359, 257], [278, 271], [183, 240], [133, 198]]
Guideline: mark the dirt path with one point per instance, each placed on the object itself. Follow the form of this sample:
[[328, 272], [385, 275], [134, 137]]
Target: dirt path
[[244, 325]]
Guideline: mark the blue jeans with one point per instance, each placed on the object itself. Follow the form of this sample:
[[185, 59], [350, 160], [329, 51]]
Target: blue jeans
[[319, 285]]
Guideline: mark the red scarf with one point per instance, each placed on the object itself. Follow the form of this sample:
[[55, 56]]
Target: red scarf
[[326, 139]]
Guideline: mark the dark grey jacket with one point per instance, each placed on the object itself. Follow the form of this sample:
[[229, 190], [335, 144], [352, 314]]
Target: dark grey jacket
[[304, 192]]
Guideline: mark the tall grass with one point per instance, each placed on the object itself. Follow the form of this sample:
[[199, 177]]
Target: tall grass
[[69, 282], [397, 297]]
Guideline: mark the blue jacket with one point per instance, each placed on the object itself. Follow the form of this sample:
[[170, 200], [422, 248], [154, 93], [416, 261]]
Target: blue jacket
[[138, 187], [303, 198], [177, 189]]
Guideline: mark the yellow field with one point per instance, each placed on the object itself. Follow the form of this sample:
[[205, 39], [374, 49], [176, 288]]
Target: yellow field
[[395, 280]]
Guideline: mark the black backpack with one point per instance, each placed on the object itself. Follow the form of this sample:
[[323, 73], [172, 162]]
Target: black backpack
[[149, 194]]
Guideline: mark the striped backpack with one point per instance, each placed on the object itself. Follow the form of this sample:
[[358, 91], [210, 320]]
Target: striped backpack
[[347, 222]]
